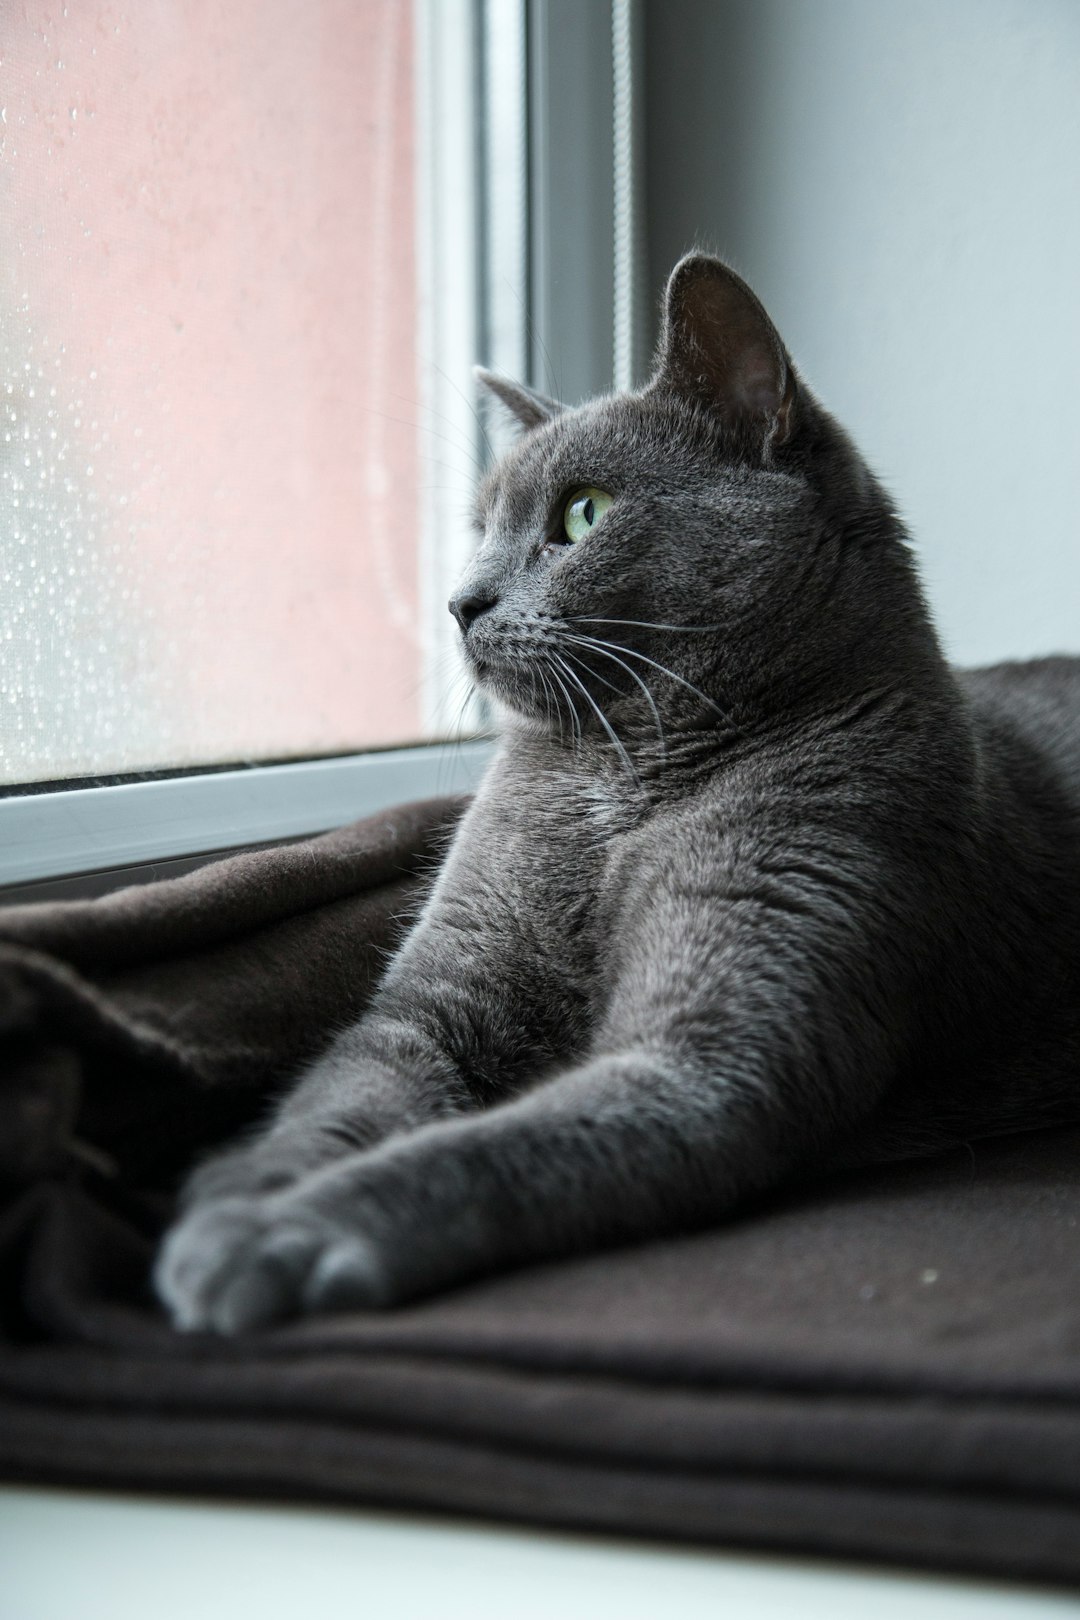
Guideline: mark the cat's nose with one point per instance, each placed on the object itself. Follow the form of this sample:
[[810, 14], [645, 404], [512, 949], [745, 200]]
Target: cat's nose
[[469, 606]]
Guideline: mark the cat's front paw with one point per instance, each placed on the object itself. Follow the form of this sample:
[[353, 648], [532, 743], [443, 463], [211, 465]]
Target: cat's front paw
[[234, 1264]]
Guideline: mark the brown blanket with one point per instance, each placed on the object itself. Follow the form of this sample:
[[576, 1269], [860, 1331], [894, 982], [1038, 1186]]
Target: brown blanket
[[885, 1366]]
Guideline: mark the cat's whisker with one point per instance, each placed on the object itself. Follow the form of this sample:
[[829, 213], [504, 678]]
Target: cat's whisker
[[642, 624], [471, 406], [428, 412], [535, 338], [423, 427], [451, 678], [581, 664], [575, 722], [634, 677], [551, 705], [575, 681], [592, 672], [446, 466], [601, 716], [595, 642], [455, 739]]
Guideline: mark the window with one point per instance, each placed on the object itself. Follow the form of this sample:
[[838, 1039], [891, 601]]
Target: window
[[212, 415], [255, 251]]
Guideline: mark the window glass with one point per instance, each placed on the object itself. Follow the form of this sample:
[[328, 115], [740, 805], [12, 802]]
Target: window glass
[[209, 384]]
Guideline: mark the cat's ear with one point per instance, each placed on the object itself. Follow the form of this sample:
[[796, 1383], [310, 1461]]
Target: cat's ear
[[530, 408], [719, 347]]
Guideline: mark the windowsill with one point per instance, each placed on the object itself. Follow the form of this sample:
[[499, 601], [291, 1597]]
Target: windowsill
[[114, 833]]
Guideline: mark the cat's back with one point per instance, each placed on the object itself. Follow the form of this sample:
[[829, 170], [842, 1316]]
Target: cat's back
[[1027, 724], [1028, 714]]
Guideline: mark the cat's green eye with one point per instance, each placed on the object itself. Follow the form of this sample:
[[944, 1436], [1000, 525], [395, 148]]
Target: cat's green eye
[[583, 512]]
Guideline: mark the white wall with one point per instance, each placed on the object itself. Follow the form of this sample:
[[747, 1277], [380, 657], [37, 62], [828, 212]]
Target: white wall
[[900, 182]]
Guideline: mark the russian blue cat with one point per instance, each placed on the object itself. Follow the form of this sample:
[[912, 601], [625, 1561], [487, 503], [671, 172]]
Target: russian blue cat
[[756, 884]]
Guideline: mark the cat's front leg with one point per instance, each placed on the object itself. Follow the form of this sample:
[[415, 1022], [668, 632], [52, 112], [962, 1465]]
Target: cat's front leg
[[382, 1077], [627, 1147], [371, 1082], [726, 1060], [614, 1150], [450, 1029]]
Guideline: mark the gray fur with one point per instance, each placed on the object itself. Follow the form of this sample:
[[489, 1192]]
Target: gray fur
[[756, 884]]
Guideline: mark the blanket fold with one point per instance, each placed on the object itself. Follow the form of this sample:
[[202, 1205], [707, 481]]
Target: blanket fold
[[884, 1365]]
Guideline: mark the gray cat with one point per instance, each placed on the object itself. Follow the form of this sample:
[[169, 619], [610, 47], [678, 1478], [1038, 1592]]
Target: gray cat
[[756, 885]]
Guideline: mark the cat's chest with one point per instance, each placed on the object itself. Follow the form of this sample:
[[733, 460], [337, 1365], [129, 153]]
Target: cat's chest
[[556, 852], [568, 834]]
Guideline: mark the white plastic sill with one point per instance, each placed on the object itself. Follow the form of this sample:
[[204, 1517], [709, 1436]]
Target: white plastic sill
[[61, 832], [74, 1555]]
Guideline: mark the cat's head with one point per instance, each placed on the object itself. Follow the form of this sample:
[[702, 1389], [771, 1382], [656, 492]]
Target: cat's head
[[692, 548]]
